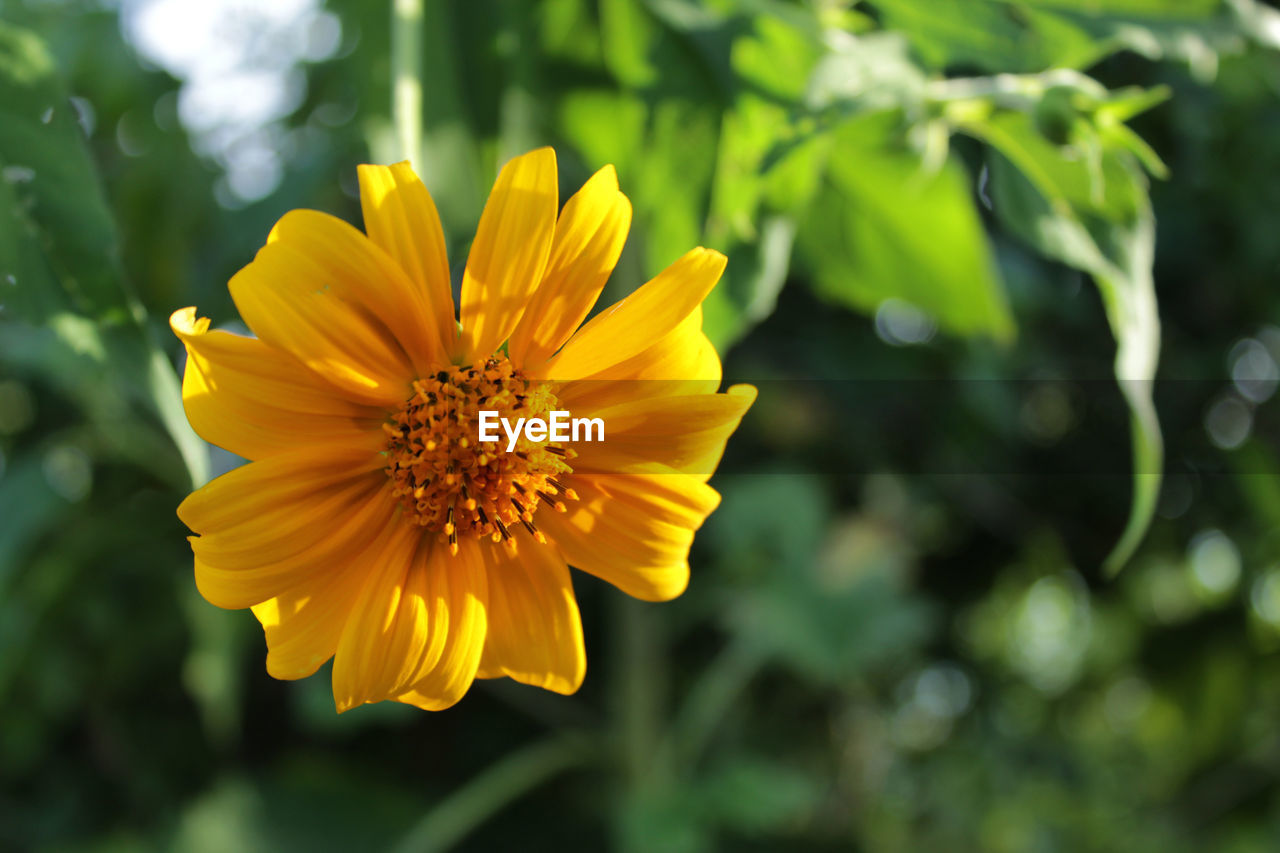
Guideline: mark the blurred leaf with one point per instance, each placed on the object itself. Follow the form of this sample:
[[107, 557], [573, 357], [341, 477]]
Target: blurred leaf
[[628, 33], [605, 127], [105, 369], [64, 264], [744, 796], [1256, 469], [212, 670], [865, 73], [450, 161], [755, 198], [52, 194], [1152, 8], [988, 34], [1100, 223], [1197, 32], [315, 805], [1036, 35], [749, 291], [1073, 178], [776, 56], [748, 534], [886, 226], [29, 507], [754, 796], [672, 184], [825, 600]]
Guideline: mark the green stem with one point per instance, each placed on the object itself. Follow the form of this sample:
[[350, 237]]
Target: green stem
[[406, 76], [637, 708], [638, 697], [710, 701], [513, 776]]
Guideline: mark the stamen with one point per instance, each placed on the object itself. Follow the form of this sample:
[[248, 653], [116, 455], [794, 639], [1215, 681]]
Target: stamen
[[450, 482], [538, 535]]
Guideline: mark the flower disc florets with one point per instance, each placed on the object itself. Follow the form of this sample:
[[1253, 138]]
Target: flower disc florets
[[448, 480]]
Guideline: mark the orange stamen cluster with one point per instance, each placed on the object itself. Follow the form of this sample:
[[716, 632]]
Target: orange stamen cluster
[[449, 481]]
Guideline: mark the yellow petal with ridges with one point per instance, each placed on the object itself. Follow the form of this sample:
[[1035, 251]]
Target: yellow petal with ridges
[[686, 433], [282, 296], [401, 218], [418, 625], [302, 626], [632, 325], [285, 483], [682, 362], [345, 261], [633, 531], [235, 570], [535, 630], [510, 251], [441, 684], [589, 237], [253, 400]]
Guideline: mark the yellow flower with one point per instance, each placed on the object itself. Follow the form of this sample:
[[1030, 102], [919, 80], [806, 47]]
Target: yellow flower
[[371, 525]]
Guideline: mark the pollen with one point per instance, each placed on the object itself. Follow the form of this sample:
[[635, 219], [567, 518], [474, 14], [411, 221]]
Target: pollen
[[449, 481]]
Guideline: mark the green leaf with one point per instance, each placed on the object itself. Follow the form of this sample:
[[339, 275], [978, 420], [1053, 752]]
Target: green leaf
[[866, 74], [885, 226], [987, 35], [1118, 255], [749, 291], [754, 796], [52, 194], [823, 596], [628, 34], [1183, 9], [59, 262], [30, 508], [1069, 176], [104, 368]]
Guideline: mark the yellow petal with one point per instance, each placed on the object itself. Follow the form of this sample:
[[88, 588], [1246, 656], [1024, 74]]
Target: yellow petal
[[308, 307], [632, 325], [681, 362], [589, 237], [683, 354], [252, 400], [282, 491], [535, 631], [510, 251], [401, 218], [417, 625], [633, 531], [685, 433], [368, 278], [302, 626], [440, 684], [234, 572]]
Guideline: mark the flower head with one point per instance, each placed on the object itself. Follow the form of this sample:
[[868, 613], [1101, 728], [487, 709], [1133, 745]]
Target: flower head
[[372, 525]]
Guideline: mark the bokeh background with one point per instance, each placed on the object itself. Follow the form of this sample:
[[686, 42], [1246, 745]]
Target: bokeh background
[[899, 634]]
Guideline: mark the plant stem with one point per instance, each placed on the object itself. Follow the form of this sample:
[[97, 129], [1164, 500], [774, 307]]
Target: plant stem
[[638, 699], [711, 699], [406, 76], [495, 787]]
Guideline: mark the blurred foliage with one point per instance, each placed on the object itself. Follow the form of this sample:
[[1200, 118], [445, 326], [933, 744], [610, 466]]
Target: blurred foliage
[[899, 634]]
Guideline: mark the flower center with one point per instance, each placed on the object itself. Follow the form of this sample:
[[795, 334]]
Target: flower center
[[448, 480]]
